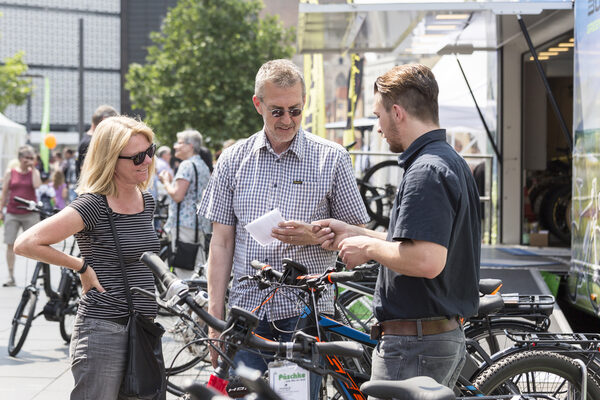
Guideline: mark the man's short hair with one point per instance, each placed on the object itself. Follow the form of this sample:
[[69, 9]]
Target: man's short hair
[[104, 111], [283, 73], [413, 87]]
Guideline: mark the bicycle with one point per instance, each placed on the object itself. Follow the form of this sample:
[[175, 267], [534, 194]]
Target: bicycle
[[561, 369], [558, 355], [62, 304], [377, 192], [185, 357], [496, 314], [237, 331], [241, 330]]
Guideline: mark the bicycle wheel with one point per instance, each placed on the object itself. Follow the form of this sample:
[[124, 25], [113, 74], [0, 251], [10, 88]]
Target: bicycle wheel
[[383, 179], [373, 203], [355, 309], [492, 337], [22, 321], [556, 212], [178, 333], [183, 365], [70, 311], [542, 372]]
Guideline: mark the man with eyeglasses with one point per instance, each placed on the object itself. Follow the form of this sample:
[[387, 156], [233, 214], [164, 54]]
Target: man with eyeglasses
[[280, 167]]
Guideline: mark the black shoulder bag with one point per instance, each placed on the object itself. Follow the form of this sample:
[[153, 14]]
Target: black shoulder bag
[[185, 253], [145, 376]]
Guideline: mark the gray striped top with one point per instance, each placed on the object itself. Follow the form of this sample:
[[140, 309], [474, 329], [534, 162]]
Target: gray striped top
[[97, 245]]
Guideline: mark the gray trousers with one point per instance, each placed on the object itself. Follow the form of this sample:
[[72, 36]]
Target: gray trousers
[[98, 354], [440, 357]]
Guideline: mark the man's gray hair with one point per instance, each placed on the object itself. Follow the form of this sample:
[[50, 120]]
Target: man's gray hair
[[162, 150], [193, 137], [283, 73]]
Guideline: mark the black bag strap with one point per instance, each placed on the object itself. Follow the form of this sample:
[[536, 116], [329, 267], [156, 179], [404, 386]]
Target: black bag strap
[[179, 206], [109, 211]]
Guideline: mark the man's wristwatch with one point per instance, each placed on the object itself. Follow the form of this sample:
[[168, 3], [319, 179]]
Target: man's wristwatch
[[83, 267]]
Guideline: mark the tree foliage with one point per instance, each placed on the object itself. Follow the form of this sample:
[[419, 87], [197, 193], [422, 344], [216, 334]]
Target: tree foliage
[[14, 88], [200, 71]]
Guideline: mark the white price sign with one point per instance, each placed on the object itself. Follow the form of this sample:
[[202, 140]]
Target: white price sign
[[289, 381]]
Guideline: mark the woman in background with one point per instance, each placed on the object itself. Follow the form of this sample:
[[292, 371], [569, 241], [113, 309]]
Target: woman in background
[[60, 188], [21, 181]]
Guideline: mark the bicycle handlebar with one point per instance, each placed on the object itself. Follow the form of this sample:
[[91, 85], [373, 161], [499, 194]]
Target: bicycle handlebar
[[35, 206], [177, 287], [31, 205], [327, 277]]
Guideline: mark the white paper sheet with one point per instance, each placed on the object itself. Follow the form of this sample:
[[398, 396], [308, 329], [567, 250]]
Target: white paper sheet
[[260, 228]]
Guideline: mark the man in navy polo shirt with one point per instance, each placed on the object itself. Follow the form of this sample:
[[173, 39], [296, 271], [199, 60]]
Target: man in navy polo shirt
[[431, 252]]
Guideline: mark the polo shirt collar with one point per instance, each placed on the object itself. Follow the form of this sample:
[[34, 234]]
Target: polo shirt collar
[[416, 146], [297, 146]]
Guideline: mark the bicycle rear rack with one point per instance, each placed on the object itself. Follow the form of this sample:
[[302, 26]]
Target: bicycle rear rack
[[526, 306], [580, 342]]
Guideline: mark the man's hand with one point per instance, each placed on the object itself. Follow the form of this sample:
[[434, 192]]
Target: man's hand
[[339, 231], [214, 356], [353, 250], [300, 233]]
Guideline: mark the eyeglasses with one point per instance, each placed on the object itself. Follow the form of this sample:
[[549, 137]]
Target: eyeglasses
[[28, 157], [279, 112], [141, 156]]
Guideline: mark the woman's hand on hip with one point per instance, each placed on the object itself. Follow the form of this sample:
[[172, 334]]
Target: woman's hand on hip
[[89, 280]]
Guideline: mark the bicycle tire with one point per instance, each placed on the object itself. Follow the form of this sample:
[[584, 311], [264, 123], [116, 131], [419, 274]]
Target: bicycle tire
[[22, 321], [70, 311], [555, 211], [385, 184], [541, 372]]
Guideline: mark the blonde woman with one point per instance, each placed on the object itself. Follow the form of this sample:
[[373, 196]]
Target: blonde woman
[[120, 166]]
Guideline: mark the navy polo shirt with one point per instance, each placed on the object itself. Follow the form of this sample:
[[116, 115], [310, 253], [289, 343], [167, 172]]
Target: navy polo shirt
[[437, 201]]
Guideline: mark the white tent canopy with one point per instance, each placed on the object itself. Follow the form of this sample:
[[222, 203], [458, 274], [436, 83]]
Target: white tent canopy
[[12, 136]]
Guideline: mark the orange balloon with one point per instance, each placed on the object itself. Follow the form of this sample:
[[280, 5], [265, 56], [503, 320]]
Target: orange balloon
[[50, 141]]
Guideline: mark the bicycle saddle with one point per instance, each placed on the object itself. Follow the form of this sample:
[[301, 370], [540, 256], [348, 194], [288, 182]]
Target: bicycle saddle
[[418, 388], [489, 286], [489, 303]]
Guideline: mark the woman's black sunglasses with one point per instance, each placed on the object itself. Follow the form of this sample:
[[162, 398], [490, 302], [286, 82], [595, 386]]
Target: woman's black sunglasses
[[141, 156]]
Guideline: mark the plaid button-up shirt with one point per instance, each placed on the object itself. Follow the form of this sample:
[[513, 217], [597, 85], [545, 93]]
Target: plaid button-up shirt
[[313, 179]]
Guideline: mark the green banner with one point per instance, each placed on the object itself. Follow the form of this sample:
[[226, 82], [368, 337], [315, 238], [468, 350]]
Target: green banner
[[45, 129]]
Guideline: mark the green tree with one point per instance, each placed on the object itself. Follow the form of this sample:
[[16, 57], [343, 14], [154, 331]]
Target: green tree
[[200, 71], [13, 87]]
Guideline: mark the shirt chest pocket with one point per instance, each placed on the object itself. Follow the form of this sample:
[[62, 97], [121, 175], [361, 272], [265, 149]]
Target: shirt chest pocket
[[304, 200]]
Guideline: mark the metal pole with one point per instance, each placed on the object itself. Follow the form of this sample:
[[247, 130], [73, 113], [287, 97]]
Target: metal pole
[[80, 69], [487, 130], [538, 64], [28, 123]]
